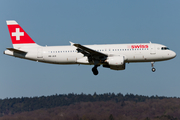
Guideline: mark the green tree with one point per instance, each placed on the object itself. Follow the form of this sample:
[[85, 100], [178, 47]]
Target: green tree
[[111, 117]]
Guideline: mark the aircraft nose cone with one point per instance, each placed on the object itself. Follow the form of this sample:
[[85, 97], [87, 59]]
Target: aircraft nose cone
[[173, 54]]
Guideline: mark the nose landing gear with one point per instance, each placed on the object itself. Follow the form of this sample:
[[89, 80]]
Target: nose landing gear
[[153, 69]]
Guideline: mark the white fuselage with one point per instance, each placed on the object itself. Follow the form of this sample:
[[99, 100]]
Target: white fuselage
[[113, 56], [69, 54]]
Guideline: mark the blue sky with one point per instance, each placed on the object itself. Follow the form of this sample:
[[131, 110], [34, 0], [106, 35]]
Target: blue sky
[[90, 22]]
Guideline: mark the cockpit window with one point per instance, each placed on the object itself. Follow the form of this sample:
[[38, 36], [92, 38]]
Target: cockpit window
[[164, 48]]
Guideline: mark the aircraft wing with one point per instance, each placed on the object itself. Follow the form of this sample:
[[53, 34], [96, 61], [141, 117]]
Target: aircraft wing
[[88, 51]]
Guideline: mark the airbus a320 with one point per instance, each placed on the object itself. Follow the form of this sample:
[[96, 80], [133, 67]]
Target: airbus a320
[[113, 56]]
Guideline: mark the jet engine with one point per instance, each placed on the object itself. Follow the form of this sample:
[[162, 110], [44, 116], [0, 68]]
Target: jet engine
[[115, 63]]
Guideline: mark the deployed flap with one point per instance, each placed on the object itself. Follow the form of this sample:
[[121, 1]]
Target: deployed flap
[[89, 51], [16, 50]]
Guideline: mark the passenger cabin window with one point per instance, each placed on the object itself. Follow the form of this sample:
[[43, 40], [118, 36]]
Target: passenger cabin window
[[164, 48]]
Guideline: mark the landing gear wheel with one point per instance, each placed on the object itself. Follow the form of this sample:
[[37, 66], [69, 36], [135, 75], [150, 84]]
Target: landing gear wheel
[[95, 71], [152, 65], [153, 69]]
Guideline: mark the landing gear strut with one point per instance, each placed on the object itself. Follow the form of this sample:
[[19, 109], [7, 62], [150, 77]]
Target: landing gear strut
[[94, 70], [153, 69]]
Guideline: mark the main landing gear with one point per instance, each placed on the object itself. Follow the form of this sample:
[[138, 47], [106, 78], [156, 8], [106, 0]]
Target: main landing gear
[[94, 70], [153, 69]]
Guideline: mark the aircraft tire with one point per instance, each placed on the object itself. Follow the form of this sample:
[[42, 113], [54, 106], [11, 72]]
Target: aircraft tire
[[153, 69], [95, 71]]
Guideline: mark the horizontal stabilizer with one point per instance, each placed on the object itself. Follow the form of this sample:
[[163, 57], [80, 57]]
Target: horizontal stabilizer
[[16, 50]]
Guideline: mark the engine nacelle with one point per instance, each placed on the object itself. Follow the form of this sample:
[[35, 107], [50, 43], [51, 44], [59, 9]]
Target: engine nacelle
[[115, 60], [115, 63]]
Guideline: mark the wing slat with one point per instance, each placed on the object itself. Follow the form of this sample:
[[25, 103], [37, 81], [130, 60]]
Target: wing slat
[[90, 51]]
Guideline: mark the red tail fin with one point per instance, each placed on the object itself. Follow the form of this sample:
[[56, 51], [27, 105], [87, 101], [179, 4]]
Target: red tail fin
[[18, 35]]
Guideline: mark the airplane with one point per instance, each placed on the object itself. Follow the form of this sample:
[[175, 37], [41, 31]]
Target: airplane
[[113, 56]]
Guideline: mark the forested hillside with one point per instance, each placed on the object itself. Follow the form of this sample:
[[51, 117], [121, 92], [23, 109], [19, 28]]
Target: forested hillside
[[108, 106]]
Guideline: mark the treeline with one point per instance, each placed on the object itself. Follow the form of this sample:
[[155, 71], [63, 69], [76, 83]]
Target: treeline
[[10, 106], [153, 109]]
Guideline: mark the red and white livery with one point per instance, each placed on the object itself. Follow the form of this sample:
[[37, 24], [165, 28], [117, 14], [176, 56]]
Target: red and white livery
[[113, 56]]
